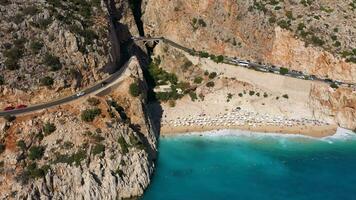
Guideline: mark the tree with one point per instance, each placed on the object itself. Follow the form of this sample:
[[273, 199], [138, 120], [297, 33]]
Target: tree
[[283, 71], [134, 89], [285, 96], [210, 84], [251, 93], [212, 75], [198, 80]]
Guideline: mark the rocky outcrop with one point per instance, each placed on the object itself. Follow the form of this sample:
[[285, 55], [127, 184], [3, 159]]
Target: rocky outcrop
[[339, 104], [111, 157], [292, 53]]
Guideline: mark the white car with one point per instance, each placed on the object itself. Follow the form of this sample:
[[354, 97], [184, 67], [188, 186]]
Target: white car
[[81, 93]]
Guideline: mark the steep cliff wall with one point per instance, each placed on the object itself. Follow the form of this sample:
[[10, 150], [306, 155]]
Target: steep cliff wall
[[284, 33], [58, 155]]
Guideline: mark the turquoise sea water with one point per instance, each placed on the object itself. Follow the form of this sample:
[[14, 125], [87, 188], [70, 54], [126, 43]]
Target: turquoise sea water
[[254, 167]]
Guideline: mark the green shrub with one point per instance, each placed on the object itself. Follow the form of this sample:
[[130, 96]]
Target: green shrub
[[265, 95], [32, 171], [75, 158], [36, 152], [14, 53], [251, 93], [11, 64], [212, 75], [317, 41], [52, 61], [210, 84], [90, 114], [134, 89], [241, 95], [198, 80], [49, 128], [334, 85], [285, 96], [98, 149], [193, 96], [46, 81], [36, 46], [123, 145], [2, 80], [21, 144], [18, 18], [283, 71]]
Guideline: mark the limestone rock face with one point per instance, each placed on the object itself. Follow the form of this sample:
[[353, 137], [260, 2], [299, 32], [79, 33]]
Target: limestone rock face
[[292, 53], [108, 158], [248, 31], [339, 104]]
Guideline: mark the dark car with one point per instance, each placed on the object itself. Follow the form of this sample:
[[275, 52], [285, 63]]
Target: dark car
[[21, 106], [9, 108]]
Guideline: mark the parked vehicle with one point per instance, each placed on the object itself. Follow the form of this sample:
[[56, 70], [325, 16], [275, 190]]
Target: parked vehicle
[[9, 108], [21, 106], [104, 83], [80, 94]]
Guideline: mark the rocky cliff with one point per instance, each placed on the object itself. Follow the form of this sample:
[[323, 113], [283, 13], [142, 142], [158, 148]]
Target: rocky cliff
[[300, 35], [66, 153]]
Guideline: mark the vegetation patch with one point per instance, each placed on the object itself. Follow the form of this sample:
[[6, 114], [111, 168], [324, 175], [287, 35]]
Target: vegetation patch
[[89, 115], [36, 152], [49, 128]]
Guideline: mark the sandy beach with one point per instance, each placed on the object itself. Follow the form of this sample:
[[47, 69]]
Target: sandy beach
[[317, 132]]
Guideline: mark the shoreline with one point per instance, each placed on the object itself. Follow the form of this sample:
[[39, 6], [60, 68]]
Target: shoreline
[[311, 131]]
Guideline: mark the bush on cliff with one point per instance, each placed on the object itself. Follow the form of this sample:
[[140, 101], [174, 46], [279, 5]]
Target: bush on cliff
[[89, 115], [134, 89]]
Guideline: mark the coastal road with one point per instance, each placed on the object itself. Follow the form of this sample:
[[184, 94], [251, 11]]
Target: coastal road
[[250, 65], [101, 85]]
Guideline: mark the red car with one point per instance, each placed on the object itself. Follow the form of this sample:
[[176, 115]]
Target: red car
[[21, 106], [9, 108]]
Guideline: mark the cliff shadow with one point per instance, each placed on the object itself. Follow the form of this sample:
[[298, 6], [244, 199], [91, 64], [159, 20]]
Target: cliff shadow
[[124, 48]]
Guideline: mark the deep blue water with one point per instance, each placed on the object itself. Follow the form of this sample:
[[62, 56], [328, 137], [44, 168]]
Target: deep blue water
[[254, 167]]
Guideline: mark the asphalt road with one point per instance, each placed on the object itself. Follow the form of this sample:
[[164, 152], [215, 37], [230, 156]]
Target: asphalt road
[[251, 65], [65, 100]]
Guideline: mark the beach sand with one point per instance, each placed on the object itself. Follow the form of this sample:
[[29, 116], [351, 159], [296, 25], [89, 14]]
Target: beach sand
[[312, 131]]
